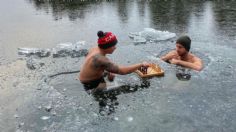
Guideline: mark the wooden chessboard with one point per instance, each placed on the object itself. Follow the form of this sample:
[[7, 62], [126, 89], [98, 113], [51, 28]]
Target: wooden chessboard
[[153, 70]]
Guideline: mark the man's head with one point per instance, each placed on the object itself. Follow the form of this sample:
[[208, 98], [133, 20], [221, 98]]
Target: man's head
[[183, 45], [106, 40]]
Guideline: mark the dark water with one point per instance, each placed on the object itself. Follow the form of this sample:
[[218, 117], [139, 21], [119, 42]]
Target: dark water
[[57, 35]]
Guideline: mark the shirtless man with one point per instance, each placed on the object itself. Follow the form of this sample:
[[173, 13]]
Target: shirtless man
[[96, 63], [181, 55]]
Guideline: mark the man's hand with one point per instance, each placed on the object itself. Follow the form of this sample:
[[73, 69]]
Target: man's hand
[[174, 61], [169, 56], [145, 64], [111, 76]]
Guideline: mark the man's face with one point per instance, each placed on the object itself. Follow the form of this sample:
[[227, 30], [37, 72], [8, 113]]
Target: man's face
[[180, 49], [111, 49]]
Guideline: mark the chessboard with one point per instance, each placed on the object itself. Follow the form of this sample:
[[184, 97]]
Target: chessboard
[[153, 70]]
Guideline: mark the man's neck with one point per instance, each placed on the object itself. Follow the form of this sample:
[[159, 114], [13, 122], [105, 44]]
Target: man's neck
[[184, 56], [102, 52]]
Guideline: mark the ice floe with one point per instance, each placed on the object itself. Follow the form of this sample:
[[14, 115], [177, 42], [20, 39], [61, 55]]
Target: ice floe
[[61, 50], [150, 34]]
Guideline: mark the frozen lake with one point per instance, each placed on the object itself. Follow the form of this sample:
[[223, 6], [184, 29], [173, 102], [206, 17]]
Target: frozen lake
[[43, 43]]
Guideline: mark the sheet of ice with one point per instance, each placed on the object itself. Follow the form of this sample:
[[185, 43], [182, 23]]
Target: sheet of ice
[[34, 51], [69, 49], [150, 34], [45, 117], [138, 40], [61, 50]]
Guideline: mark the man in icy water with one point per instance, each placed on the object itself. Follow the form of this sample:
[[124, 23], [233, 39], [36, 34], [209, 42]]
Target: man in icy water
[[96, 65], [181, 55]]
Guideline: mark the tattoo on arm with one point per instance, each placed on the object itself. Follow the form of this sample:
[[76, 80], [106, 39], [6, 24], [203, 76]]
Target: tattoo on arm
[[96, 61], [100, 61], [111, 67]]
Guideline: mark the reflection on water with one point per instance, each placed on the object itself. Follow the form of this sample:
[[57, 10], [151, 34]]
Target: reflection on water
[[165, 14], [73, 9], [108, 100], [183, 74], [172, 12], [226, 17]]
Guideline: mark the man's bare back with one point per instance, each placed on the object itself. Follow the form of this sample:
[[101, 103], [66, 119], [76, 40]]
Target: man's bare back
[[95, 65], [89, 71]]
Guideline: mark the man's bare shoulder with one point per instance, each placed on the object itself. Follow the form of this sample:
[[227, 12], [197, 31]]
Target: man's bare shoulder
[[99, 60], [198, 63], [195, 58], [92, 51], [99, 57]]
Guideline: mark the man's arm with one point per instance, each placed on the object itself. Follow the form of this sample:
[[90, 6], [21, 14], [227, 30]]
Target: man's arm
[[122, 70], [169, 56], [104, 62], [196, 65]]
